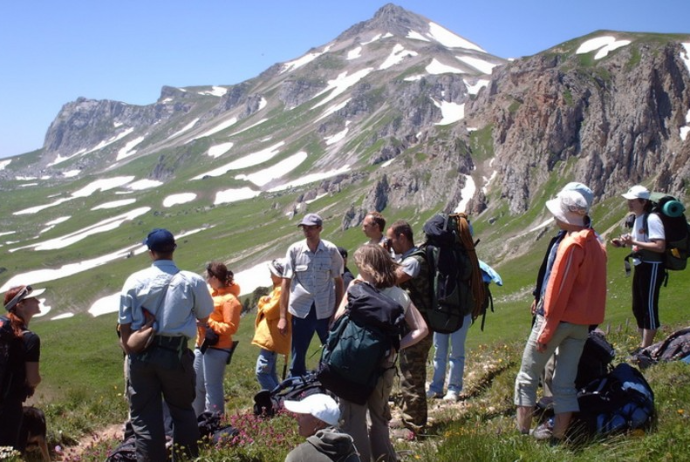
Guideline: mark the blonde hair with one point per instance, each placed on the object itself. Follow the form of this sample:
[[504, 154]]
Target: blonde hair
[[375, 261]]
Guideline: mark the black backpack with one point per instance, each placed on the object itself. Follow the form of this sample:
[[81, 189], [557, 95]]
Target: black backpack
[[455, 280], [8, 344], [358, 343], [268, 402], [595, 361], [620, 401]]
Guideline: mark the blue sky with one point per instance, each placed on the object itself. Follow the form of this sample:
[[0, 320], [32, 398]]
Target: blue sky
[[53, 52]]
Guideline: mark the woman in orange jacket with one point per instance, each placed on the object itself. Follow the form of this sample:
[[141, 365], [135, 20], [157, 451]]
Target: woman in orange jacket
[[214, 339], [267, 336], [574, 299]]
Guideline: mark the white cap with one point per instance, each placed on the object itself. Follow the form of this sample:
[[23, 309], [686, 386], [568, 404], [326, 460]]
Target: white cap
[[637, 192], [569, 207], [320, 405]]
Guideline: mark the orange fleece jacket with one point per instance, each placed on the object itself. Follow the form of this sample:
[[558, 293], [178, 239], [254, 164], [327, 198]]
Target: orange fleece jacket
[[576, 291], [225, 319]]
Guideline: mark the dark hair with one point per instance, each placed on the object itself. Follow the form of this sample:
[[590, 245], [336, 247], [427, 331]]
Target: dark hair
[[378, 219], [342, 251], [648, 205], [220, 272], [374, 260], [404, 228]]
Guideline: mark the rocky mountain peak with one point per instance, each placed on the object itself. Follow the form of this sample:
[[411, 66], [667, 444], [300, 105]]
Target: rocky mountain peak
[[389, 19]]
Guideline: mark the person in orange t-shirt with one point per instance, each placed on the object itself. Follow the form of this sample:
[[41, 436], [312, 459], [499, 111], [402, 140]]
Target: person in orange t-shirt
[[267, 336], [212, 352]]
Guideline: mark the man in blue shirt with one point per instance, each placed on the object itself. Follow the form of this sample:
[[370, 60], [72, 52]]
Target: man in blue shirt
[[174, 300]]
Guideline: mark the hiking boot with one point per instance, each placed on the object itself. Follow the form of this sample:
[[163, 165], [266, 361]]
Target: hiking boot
[[433, 395], [452, 395]]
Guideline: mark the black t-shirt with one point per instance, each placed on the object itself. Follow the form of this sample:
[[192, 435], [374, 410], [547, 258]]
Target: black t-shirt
[[23, 350]]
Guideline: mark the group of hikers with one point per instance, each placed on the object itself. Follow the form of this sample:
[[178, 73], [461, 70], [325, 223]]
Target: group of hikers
[[163, 308]]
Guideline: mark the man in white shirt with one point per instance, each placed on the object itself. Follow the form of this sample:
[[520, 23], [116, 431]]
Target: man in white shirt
[[311, 291]]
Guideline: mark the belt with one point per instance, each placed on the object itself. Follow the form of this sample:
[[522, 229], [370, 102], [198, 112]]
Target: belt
[[174, 343]]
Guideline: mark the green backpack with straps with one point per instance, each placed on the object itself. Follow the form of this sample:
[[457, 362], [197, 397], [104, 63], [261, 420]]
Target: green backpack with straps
[[676, 230]]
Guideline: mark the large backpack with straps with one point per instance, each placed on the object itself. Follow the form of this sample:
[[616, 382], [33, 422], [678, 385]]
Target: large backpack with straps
[[676, 230], [455, 282], [358, 343], [620, 401], [673, 348]]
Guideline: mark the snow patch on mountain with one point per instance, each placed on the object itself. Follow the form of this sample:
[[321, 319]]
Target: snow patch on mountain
[[106, 225], [181, 198], [128, 148], [306, 179], [473, 89], [452, 112], [114, 204], [144, 184], [244, 162], [99, 146], [332, 109], [306, 59], [481, 65], [354, 53], [221, 126], [4, 163], [397, 55], [449, 39], [685, 56], [466, 194], [338, 136], [437, 67], [684, 130], [276, 171], [214, 91], [235, 195], [184, 129], [219, 149], [377, 37], [341, 83], [604, 44]]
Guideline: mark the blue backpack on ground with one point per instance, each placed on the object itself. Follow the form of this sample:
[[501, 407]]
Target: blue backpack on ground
[[618, 402], [358, 343]]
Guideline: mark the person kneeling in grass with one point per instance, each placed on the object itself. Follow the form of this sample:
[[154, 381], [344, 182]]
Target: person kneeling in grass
[[318, 416]]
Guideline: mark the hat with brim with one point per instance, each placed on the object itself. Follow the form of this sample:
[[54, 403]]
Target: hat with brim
[[160, 240], [311, 219], [25, 293], [569, 207], [276, 267], [319, 405], [637, 192]]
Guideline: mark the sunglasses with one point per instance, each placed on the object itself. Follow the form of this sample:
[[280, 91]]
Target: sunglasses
[[24, 293]]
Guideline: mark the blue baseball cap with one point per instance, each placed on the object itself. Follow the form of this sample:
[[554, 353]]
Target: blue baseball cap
[[160, 240]]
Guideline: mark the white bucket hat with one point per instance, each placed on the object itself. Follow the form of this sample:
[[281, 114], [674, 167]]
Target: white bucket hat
[[320, 405], [569, 206]]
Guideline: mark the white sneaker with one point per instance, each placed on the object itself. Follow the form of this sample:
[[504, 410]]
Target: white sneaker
[[451, 396], [432, 394]]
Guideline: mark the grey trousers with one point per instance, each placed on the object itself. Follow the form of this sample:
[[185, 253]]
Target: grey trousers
[[167, 373]]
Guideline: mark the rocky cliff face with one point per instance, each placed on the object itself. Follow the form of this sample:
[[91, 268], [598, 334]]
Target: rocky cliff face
[[609, 122]]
